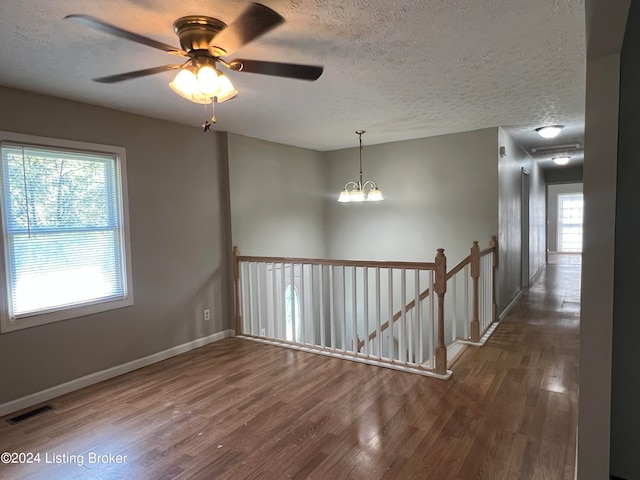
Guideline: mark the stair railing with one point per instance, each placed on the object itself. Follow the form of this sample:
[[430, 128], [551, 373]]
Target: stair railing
[[337, 307], [480, 266], [327, 306]]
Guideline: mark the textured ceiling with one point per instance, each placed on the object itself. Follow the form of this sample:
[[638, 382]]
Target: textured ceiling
[[399, 70]]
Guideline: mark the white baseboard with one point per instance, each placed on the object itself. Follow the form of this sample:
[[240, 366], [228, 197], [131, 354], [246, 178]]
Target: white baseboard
[[92, 378], [510, 306], [348, 356]]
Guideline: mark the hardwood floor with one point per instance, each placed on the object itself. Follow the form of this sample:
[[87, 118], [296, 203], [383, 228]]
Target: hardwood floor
[[242, 410]]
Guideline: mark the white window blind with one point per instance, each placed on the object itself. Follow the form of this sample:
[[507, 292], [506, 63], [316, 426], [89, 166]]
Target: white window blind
[[63, 229]]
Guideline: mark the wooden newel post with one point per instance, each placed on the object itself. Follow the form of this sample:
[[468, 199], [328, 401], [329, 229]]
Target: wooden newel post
[[440, 288], [238, 299], [475, 274], [494, 244]]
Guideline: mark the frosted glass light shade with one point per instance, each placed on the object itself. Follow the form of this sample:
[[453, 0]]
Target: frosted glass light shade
[[550, 131], [226, 91], [356, 195], [375, 195], [561, 160], [208, 81], [184, 83], [344, 196], [203, 86]]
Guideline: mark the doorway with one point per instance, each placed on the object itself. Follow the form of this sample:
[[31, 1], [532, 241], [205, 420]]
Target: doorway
[[564, 222]]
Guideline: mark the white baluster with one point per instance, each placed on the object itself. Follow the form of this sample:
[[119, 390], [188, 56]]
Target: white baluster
[[378, 332], [417, 322], [390, 346], [321, 305], [402, 331]]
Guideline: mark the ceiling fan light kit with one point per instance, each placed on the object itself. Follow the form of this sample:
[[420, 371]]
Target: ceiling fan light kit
[[204, 40], [201, 84]]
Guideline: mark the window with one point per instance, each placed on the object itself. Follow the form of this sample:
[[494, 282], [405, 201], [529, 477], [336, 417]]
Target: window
[[292, 311], [65, 230], [570, 223]]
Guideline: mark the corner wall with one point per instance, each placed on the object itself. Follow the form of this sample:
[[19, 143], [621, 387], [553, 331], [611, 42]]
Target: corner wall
[[180, 252], [625, 388], [440, 192], [605, 26], [277, 198]]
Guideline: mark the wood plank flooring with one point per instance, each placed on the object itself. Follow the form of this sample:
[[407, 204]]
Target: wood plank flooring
[[242, 410]]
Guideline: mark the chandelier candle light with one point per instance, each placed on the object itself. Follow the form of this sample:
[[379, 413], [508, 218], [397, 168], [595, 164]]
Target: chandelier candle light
[[357, 192]]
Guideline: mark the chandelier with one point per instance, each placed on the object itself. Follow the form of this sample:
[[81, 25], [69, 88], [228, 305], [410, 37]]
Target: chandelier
[[360, 191]]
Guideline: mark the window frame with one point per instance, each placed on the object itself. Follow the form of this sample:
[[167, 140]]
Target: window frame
[[7, 324], [562, 197]]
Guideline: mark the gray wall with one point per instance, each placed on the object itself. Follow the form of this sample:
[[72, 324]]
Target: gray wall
[[440, 192], [625, 388], [510, 219], [443, 191], [605, 21], [537, 220], [277, 198], [552, 210], [563, 175], [178, 198]]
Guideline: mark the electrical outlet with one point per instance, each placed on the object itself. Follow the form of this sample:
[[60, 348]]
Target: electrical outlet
[[263, 332], [207, 315]]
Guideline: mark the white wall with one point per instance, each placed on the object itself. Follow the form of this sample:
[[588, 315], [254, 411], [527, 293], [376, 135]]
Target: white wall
[[277, 198], [605, 28], [552, 210], [440, 192]]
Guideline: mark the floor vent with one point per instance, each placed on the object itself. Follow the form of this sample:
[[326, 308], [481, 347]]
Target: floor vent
[[31, 413]]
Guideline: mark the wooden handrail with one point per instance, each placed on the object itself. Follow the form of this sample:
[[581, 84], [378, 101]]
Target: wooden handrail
[[465, 261], [472, 259], [487, 250], [340, 263], [458, 267]]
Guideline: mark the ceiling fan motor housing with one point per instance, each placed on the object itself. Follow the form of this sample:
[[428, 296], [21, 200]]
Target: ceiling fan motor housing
[[196, 32]]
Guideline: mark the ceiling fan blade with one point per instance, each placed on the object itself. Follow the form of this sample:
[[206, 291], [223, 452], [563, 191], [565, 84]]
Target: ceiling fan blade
[[135, 74], [105, 27], [256, 20], [289, 70]]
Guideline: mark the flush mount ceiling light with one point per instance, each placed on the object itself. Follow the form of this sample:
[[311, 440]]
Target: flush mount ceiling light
[[550, 131], [355, 191], [561, 160]]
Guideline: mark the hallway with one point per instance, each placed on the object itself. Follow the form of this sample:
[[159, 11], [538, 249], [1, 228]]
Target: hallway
[[535, 362], [243, 410]]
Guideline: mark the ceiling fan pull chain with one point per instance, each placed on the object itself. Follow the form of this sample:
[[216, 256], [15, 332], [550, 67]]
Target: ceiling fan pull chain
[[206, 125]]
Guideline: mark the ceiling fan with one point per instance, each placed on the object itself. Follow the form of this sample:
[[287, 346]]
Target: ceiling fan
[[204, 41]]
